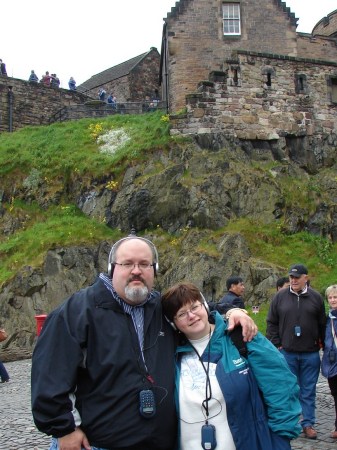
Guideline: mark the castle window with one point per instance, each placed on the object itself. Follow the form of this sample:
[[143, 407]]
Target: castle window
[[231, 18], [334, 90], [268, 82], [301, 86], [268, 73], [235, 77]]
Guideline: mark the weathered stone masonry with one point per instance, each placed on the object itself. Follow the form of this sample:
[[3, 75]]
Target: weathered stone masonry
[[298, 103], [23, 103], [128, 82], [195, 44], [265, 84]]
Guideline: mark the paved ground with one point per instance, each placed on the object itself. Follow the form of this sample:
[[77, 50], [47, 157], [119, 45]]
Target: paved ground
[[17, 430]]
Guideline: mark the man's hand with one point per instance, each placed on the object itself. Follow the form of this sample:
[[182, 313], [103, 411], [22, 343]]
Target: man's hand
[[239, 317], [74, 441]]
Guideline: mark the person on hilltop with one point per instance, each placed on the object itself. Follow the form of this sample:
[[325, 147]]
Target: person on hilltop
[[112, 101], [102, 368], [72, 84], [296, 326], [54, 81], [33, 78], [46, 78], [3, 70], [101, 94]]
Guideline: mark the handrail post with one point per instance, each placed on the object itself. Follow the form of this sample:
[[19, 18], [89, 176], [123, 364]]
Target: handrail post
[[10, 108]]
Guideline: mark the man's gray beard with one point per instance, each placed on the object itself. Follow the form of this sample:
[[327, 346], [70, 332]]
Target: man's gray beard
[[136, 295]]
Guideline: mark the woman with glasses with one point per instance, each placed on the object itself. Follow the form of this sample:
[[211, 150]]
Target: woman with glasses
[[102, 367], [224, 400]]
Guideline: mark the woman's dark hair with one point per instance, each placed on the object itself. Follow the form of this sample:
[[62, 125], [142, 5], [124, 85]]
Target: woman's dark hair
[[177, 296]]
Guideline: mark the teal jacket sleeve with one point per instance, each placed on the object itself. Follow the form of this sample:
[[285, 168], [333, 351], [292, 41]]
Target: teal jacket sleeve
[[278, 386]]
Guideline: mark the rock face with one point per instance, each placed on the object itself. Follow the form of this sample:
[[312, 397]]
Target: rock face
[[38, 291], [185, 188]]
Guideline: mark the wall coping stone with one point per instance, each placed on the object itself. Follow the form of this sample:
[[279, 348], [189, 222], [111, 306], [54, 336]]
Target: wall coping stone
[[286, 57]]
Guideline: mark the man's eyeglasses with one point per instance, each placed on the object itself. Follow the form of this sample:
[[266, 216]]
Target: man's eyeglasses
[[130, 266], [194, 310]]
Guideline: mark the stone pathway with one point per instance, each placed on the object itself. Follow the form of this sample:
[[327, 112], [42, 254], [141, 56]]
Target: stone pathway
[[17, 430]]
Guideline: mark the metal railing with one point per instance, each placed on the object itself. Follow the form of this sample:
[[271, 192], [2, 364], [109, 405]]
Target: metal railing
[[102, 109]]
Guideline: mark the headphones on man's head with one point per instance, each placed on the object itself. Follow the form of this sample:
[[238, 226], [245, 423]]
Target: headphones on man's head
[[203, 302], [111, 265]]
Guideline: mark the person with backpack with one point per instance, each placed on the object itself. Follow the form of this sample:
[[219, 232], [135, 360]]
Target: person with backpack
[[226, 400], [33, 78], [101, 94], [72, 84]]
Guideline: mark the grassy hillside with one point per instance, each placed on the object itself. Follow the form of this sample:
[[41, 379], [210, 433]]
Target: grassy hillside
[[55, 157]]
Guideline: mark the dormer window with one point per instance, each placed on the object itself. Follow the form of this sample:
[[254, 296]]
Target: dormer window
[[231, 19]]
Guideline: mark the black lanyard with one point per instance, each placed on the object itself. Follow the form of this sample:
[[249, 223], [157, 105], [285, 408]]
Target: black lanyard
[[208, 389]]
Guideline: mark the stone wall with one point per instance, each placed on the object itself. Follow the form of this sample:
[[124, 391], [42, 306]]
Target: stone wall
[[140, 82], [23, 103], [144, 79], [327, 26], [297, 102], [316, 47], [197, 45]]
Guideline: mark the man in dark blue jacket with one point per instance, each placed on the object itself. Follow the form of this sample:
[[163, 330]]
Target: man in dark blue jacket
[[235, 288], [103, 366]]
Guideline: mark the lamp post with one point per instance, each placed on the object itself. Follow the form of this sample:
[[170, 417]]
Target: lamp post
[[10, 108]]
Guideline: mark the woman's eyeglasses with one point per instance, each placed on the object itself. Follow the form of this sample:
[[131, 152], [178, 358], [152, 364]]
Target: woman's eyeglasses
[[194, 310]]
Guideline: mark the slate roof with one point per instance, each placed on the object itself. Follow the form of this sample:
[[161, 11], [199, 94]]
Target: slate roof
[[111, 74]]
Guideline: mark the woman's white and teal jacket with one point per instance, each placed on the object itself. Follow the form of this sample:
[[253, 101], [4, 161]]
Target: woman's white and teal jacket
[[261, 393]]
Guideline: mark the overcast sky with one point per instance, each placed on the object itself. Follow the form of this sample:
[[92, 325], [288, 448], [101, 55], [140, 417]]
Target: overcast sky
[[82, 38]]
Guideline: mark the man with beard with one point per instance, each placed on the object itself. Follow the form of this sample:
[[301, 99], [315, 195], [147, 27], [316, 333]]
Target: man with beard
[[103, 366]]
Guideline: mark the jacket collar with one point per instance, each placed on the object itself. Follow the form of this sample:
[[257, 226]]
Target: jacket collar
[[302, 292], [107, 297], [333, 313], [219, 330]]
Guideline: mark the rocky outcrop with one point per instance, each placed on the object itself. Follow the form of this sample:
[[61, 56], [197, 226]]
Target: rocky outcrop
[[38, 291], [196, 187], [186, 192]]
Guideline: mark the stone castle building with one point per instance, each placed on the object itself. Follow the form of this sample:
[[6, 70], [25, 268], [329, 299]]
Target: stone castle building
[[133, 80], [240, 69]]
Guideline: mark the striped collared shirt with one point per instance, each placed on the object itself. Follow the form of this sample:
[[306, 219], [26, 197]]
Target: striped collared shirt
[[136, 312]]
